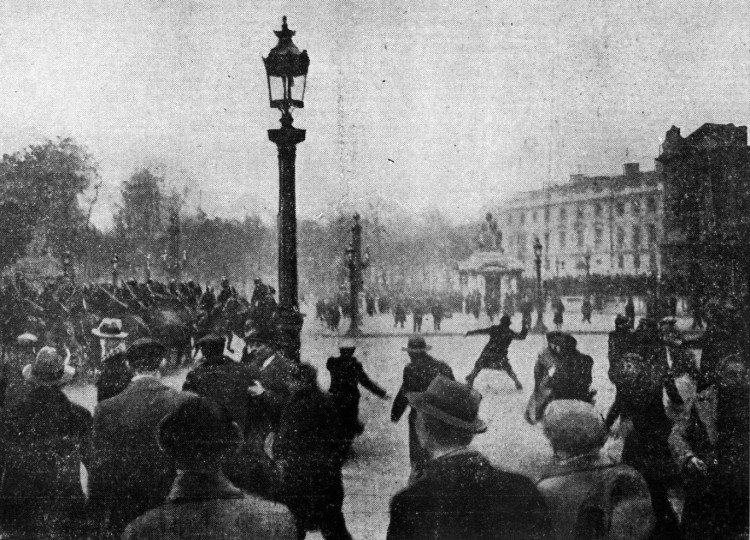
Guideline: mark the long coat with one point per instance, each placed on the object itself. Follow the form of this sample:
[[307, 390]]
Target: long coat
[[347, 374], [496, 350], [43, 441], [461, 496], [129, 474], [309, 450], [418, 374]]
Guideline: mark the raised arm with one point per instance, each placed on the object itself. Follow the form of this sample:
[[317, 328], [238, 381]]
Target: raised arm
[[478, 331]]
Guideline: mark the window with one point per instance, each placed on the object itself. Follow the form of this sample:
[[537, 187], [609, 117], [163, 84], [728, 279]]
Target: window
[[597, 210], [533, 216], [620, 261], [620, 238], [546, 264], [562, 239], [522, 218], [636, 236], [510, 219], [636, 260], [651, 204], [546, 215], [580, 212], [563, 215], [546, 241], [652, 262], [598, 234], [636, 207], [580, 236], [620, 208], [651, 234]]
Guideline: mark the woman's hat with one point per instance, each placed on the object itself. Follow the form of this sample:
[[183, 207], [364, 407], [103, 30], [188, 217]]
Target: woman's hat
[[110, 329], [573, 426], [416, 344], [450, 402], [49, 368]]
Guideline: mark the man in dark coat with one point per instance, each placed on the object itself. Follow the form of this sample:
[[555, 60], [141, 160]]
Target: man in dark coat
[[115, 375], [347, 374], [226, 382], [495, 353], [437, 315], [715, 472], [460, 495], [129, 474], [309, 453], [418, 314], [43, 441], [630, 311], [620, 342], [586, 310], [418, 374]]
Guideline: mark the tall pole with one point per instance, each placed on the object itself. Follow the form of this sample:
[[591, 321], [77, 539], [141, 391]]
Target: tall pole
[[356, 264], [539, 327], [115, 262], [290, 319]]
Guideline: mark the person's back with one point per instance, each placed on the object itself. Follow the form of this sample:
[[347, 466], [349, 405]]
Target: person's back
[[463, 497], [597, 502]]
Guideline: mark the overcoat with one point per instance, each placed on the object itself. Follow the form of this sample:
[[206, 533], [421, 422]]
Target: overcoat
[[461, 496], [129, 473]]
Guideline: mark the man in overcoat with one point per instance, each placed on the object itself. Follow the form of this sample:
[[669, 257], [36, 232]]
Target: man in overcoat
[[43, 441], [461, 495], [129, 474], [347, 374], [418, 374], [309, 452]]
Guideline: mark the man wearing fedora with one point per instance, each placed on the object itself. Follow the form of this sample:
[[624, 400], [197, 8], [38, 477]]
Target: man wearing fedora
[[347, 374], [129, 475], [43, 441], [418, 374], [461, 495]]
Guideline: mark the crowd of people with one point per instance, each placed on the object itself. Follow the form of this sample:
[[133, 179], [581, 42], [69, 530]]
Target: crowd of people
[[255, 448]]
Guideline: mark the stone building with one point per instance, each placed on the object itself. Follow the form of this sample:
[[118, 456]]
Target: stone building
[[706, 178], [605, 225]]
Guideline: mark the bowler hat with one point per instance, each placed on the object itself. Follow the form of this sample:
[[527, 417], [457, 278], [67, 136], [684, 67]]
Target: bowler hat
[[416, 344], [144, 346], [49, 368], [451, 402], [210, 340], [573, 426]]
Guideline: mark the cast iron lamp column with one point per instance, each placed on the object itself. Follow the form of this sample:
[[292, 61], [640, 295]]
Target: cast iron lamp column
[[539, 327], [356, 262], [286, 71]]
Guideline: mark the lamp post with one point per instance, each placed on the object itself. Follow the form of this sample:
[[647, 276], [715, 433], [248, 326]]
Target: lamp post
[[115, 261], [286, 71], [539, 327], [356, 263]]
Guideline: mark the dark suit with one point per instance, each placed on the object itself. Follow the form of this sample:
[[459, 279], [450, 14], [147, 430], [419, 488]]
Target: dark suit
[[129, 473], [418, 375], [461, 496], [309, 449], [43, 441]]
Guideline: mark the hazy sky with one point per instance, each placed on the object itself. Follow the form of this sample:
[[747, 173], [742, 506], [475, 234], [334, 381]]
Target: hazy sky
[[427, 103]]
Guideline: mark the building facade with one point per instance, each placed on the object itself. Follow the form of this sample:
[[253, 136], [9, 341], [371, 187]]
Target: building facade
[[706, 178], [607, 225]]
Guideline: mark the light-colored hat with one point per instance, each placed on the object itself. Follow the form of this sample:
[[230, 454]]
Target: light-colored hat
[[110, 329], [49, 368], [573, 426], [27, 338]]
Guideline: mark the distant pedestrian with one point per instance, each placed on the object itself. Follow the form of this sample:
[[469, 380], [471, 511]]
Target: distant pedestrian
[[203, 503], [347, 374], [461, 495], [620, 342], [630, 311], [399, 315], [559, 308], [527, 309], [418, 374], [418, 315], [495, 353], [586, 310], [438, 313]]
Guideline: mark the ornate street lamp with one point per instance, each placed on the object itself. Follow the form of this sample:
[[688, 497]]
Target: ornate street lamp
[[286, 70], [539, 327], [356, 262]]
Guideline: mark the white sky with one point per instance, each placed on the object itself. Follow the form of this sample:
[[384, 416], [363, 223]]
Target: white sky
[[428, 103]]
